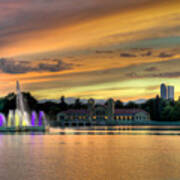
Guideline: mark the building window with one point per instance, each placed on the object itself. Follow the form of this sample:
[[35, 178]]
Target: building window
[[105, 117], [94, 117], [62, 118]]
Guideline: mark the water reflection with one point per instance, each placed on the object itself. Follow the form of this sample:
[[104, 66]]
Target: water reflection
[[82, 157], [104, 130], [119, 130]]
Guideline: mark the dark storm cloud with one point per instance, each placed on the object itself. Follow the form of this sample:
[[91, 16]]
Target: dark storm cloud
[[165, 55], [167, 75], [127, 55], [151, 69], [149, 53], [20, 67], [132, 75], [161, 69], [104, 51]]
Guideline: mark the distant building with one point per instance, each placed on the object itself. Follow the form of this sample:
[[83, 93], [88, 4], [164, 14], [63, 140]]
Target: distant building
[[171, 92], [101, 115], [164, 91], [167, 92]]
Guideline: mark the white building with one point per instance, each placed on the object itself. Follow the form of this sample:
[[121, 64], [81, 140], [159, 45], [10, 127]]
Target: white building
[[101, 115], [171, 92]]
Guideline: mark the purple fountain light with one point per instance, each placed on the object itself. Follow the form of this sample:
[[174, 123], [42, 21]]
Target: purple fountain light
[[33, 118], [41, 115], [2, 120]]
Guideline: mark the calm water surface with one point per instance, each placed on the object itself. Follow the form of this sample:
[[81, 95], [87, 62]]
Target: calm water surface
[[91, 154]]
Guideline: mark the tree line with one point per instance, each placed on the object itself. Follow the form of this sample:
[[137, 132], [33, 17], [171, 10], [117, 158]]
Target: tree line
[[158, 108]]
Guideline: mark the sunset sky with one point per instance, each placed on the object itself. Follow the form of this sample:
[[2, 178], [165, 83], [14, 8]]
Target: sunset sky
[[90, 48]]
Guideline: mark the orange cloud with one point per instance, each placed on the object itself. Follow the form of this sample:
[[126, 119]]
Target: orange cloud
[[96, 40]]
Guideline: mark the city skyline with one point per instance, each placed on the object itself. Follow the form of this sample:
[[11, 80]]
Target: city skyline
[[123, 50], [166, 92]]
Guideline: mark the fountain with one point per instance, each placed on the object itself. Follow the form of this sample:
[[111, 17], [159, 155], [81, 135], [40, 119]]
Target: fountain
[[20, 119]]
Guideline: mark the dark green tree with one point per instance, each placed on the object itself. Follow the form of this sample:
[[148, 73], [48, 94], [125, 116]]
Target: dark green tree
[[132, 105], [176, 112], [167, 113], [63, 105], [119, 104]]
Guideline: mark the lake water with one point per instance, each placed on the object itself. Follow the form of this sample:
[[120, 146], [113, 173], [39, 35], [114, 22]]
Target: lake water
[[101, 153]]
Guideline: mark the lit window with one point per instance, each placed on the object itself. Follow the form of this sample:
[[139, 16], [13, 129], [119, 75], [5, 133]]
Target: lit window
[[94, 117], [105, 117], [117, 117]]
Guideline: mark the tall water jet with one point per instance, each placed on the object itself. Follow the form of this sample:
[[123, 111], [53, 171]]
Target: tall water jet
[[24, 118], [19, 98]]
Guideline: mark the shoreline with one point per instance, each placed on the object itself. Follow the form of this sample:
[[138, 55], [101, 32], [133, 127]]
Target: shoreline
[[145, 123]]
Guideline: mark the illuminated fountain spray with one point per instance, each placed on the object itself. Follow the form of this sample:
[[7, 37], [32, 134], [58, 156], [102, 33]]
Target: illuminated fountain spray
[[41, 115], [10, 119], [34, 118], [2, 120], [20, 118], [19, 98], [39, 120]]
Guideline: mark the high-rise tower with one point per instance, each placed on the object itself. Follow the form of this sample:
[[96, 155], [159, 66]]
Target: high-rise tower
[[164, 91], [171, 92]]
